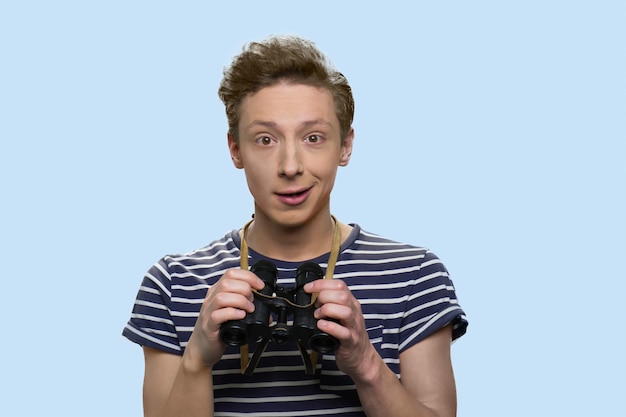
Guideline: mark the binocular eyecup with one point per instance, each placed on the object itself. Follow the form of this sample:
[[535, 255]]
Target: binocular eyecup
[[283, 302]]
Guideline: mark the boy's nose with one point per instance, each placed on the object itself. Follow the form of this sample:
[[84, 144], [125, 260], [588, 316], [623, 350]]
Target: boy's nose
[[290, 160]]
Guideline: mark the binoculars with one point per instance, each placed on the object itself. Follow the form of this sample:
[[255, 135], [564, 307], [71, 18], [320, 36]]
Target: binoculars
[[284, 302]]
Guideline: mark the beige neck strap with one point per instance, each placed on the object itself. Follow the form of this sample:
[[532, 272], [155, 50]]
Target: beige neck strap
[[332, 260]]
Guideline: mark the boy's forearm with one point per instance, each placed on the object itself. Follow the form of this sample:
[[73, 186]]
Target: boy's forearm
[[192, 392], [383, 395]]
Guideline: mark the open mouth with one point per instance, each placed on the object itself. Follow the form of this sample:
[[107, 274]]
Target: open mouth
[[299, 193], [296, 197], [296, 193]]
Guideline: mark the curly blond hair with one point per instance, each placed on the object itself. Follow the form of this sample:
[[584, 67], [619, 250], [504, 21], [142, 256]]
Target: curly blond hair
[[277, 59]]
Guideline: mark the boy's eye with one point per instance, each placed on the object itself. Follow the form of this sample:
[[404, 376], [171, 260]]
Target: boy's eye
[[265, 140], [313, 138]]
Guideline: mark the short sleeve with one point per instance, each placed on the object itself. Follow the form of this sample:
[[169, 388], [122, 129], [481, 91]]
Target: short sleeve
[[431, 304], [150, 323]]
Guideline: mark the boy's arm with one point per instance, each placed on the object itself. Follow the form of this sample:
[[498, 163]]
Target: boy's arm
[[183, 386], [173, 386], [427, 387]]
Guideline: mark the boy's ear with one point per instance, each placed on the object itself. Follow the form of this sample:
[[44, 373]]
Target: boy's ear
[[346, 148], [235, 155]]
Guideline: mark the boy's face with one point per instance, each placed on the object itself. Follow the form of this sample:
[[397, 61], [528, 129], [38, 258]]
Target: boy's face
[[290, 147]]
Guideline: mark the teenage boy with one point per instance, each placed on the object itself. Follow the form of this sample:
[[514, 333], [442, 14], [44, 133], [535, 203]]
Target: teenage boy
[[390, 306]]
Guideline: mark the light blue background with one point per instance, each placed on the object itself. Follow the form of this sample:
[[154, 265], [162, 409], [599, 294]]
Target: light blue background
[[491, 132]]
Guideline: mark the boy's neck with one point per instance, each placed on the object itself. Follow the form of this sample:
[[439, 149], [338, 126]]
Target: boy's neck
[[292, 244]]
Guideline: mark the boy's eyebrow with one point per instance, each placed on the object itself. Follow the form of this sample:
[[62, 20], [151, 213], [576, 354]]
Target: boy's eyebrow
[[307, 123]]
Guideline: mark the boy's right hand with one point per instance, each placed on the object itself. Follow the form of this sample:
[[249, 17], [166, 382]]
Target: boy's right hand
[[230, 298]]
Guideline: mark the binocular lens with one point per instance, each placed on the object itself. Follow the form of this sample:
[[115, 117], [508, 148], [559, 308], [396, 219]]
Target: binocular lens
[[307, 272], [234, 336], [268, 273], [323, 343]]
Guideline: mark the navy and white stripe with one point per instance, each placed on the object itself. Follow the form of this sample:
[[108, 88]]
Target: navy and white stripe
[[405, 294]]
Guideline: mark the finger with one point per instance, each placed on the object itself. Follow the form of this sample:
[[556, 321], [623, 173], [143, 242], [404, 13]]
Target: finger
[[334, 329], [233, 286], [225, 299], [325, 284], [243, 275], [331, 311], [341, 296], [223, 315]]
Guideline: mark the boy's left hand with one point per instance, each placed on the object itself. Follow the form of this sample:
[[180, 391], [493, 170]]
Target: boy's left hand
[[335, 301]]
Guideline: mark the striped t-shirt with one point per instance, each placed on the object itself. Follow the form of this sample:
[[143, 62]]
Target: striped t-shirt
[[405, 294]]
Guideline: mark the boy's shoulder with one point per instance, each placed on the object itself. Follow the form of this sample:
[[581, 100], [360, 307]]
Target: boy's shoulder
[[363, 237], [220, 251]]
